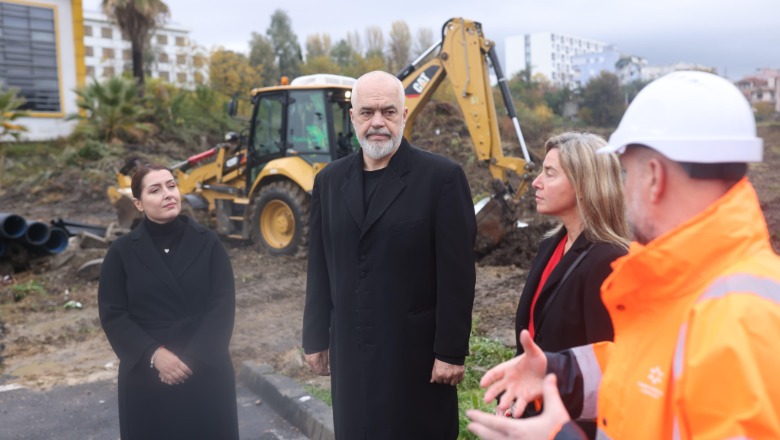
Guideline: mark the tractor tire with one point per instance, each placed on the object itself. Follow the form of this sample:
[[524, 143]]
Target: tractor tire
[[280, 218]]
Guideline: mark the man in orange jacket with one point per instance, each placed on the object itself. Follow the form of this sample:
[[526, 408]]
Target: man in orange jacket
[[696, 302]]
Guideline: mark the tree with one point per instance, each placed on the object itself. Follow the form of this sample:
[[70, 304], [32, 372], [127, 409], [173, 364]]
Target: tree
[[317, 45], [400, 45], [111, 111], [231, 74], [353, 39], [343, 54], [375, 42], [424, 41], [285, 44], [262, 57], [10, 104], [136, 20], [602, 101]]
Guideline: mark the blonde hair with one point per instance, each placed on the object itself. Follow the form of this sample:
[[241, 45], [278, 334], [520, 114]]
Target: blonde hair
[[598, 185]]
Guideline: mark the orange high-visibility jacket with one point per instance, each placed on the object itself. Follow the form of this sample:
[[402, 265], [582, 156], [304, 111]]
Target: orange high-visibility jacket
[[696, 314]]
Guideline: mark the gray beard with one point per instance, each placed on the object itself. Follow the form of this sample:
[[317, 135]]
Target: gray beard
[[380, 150]]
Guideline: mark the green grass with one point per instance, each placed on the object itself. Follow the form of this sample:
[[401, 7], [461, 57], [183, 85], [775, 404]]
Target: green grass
[[319, 393], [485, 354], [22, 290]]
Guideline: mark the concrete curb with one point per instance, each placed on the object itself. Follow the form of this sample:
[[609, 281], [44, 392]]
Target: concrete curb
[[312, 416]]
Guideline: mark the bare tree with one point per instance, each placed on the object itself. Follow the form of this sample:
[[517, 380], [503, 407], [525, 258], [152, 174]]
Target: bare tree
[[353, 39], [375, 42], [400, 45], [424, 41], [317, 45]]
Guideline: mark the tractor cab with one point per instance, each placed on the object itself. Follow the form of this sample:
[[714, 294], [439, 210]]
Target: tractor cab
[[308, 118]]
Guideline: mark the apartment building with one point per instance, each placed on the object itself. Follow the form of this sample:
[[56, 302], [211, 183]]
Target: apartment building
[[587, 66], [42, 55], [549, 54], [171, 56]]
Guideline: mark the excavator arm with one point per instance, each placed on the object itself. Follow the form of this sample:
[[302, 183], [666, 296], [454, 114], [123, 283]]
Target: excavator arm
[[464, 55]]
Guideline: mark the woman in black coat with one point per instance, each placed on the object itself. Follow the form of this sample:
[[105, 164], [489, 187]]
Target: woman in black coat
[[561, 302], [167, 305]]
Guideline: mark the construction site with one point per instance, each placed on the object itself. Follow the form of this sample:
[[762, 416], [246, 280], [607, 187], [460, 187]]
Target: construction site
[[50, 329]]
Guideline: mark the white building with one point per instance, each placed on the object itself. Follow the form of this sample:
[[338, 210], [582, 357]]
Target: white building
[[587, 66], [42, 54], [175, 58], [549, 54]]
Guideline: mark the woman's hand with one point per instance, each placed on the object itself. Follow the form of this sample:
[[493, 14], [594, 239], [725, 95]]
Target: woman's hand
[[173, 371]]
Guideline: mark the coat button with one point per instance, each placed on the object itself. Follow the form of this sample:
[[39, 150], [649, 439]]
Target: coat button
[[621, 307], [604, 421]]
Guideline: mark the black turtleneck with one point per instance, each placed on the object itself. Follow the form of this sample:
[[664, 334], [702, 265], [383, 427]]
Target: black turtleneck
[[166, 236]]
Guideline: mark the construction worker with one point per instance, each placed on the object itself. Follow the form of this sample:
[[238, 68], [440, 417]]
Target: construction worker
[[696, 302]]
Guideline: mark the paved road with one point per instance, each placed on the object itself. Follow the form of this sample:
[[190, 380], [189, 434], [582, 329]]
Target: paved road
[[89, 412]]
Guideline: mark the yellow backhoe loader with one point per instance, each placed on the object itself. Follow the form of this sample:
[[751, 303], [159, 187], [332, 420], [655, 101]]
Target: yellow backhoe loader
[[260, 188]]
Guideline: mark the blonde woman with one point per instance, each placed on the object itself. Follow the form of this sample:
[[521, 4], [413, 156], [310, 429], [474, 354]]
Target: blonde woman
[[560, 305]]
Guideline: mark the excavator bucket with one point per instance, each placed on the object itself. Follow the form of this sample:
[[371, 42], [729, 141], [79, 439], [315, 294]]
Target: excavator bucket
[[493, 223]]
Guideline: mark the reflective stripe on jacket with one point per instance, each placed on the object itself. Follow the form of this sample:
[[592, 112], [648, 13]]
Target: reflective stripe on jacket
[[697, 332]]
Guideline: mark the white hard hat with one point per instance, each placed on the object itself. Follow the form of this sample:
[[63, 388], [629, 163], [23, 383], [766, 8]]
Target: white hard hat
[[690, 117]]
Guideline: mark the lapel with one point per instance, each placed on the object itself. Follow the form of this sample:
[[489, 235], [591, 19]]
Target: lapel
[[389, 187], [143, 247], [352, 189], [568, 258], [190, 247]]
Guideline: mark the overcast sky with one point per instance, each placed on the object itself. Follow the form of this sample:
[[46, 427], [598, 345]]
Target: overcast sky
[[734, 36]]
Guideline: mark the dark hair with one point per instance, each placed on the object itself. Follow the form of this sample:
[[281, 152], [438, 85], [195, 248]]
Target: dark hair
[[140, 173]]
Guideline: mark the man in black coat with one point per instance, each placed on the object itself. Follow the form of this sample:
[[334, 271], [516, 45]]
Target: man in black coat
[[391, 277]]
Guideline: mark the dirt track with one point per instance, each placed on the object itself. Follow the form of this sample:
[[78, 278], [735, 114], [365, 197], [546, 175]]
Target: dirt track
[[48, 345]]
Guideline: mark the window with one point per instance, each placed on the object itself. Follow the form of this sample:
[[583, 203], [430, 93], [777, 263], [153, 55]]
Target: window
[[28, 55], [163, 57], [162, 39], [199, 79], [87, 31], [108, 72], [88, 52], [127, 54], [181, 77], [181, 59], [106, 32], [165, 76], [181, 41], [198, 61], [90, 71], [108, 53]]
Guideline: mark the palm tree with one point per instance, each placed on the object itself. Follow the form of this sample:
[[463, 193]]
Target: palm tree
[[10, 105], [137, 19], [111, 111]]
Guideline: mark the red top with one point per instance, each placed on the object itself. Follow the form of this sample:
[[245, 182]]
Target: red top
[[554, 259]]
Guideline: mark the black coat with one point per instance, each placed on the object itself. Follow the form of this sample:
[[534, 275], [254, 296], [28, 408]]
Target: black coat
[[576, 316], [389, 291], [190, 309]]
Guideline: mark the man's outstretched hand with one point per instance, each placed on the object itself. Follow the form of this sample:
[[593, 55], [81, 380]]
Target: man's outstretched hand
[[519, 379], [494, 427]]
